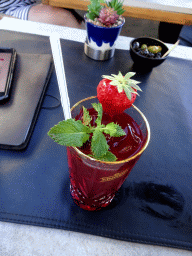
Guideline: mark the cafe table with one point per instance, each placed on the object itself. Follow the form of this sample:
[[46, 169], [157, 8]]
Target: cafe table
[[171, 11], [21, 239]]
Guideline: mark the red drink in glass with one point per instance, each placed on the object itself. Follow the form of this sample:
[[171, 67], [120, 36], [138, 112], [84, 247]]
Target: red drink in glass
[[94, 183]]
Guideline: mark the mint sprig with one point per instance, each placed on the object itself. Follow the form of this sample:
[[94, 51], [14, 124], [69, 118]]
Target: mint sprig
[[75, 133]]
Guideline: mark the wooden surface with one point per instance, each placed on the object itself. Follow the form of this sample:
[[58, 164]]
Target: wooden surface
[[130, 11]]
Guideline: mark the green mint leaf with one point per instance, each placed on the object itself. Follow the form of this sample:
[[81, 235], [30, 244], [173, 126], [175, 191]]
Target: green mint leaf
[[114, 130], [108, 157], [86, 117], [99, 109], [70, 133], [99, 144]]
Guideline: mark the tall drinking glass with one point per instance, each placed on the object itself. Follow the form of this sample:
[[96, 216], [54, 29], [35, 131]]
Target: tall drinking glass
[[94, 183]]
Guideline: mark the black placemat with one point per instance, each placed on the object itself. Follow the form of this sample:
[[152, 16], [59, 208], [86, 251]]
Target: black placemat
[[154, 204]]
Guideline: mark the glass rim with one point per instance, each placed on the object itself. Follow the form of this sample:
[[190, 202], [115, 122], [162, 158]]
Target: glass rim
[[127, 159]]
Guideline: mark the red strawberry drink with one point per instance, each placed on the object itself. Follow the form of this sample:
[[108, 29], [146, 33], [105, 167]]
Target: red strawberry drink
[[108, 142]]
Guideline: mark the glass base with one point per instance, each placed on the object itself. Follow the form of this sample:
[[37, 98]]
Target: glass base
[[90, 204]]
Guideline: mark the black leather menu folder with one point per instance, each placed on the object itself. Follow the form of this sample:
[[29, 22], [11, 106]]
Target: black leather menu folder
[[18, 115]]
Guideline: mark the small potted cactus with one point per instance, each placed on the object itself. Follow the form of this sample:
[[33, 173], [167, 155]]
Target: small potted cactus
[[104, 22]]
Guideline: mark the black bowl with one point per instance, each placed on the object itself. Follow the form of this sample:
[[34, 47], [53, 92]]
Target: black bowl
[[143, 61]]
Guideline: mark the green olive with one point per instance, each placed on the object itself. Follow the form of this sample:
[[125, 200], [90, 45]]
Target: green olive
[[154, 49], [143, 46]]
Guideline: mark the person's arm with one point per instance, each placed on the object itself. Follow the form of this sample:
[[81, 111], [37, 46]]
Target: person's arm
[[53, 15]]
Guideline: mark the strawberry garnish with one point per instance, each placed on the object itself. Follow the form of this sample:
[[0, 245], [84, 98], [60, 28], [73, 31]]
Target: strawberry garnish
[[117, 92]]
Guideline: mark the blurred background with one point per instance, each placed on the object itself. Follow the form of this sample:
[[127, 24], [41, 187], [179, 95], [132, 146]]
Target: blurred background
[[135, 27]]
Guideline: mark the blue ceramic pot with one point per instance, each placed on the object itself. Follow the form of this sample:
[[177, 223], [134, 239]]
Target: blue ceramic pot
[[102, 38]]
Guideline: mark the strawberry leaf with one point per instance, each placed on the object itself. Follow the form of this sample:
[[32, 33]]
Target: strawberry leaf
[[70, 133], [118, 84], [135, 86], [129, 75], [127, 92], [124, 83]]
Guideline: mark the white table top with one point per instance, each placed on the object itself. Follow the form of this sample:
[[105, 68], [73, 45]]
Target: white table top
[[24, 240], [76, 35]]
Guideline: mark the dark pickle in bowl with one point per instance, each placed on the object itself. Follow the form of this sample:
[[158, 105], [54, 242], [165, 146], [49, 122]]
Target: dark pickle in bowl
[[152, 51]]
